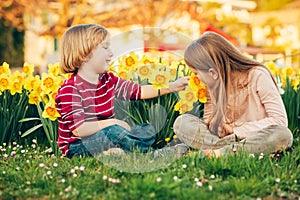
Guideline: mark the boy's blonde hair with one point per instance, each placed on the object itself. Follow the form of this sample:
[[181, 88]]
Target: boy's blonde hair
[[77, 43]]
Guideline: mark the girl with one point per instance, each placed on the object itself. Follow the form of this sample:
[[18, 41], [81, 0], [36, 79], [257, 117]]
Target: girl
[[85, 101], [244, 109]]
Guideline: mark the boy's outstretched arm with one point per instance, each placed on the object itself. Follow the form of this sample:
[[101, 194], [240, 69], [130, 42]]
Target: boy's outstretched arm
[[147, 91]]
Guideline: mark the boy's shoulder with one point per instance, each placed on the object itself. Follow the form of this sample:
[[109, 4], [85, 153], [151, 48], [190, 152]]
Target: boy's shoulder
[[70, 81], [108, 76], [68, 85]]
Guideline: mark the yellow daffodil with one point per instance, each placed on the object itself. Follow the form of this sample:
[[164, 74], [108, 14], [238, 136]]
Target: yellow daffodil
[[66, 76], [199, 87], [16, 87], [4, 68], [60, 79], [144, 71], [27, 69], [156, 67], [32, 82], [49, 83], [123, 75], [182, 62], [272, 67], [50, 111], [174, 136], [183, 107], [54, 69], [295, 83], [112, 67], [194, 81], [131, 60], [18, 75], [289, 71], [45, 97], [159, 80], [283, 83], [172, 70], [4, 82], [173, 73], [52, 96], [188, 95], [38, 89], [182, 68], [146, 60], [201, 95], [34, 97], [167, 140], [281, 73]]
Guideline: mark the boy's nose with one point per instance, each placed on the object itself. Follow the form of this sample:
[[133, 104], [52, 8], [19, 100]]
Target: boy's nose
[[111, 53]]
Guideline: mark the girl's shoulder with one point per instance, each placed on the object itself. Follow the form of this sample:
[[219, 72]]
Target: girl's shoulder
[[258, 72]]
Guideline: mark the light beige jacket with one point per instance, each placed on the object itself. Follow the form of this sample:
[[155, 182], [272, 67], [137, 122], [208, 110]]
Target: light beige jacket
[[254, 105]]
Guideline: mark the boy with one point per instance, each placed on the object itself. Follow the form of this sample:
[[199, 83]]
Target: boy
[[86, 100]]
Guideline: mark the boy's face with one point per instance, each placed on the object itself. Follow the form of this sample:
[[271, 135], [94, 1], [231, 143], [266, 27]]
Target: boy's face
[[101, 56]]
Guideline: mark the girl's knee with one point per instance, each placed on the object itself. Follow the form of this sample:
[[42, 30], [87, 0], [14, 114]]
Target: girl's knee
[[179, 121], [281, 136]]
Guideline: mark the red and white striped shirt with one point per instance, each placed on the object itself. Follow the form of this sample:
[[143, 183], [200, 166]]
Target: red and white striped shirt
[[78, 101]]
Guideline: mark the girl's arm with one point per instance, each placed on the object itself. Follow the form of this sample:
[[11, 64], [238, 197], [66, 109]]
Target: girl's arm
[[273, 104], [147, 91]]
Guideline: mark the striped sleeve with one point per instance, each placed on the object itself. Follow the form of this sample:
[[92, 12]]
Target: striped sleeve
[[126, 90], [69, 104]]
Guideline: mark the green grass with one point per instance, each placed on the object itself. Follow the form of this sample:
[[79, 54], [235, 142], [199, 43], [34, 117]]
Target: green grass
[[33, 174]]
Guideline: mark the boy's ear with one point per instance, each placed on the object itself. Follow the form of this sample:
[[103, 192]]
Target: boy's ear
[[214, 74]]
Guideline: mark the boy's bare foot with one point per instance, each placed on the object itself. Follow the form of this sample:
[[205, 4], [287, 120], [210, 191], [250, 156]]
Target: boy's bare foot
[[114, 151]]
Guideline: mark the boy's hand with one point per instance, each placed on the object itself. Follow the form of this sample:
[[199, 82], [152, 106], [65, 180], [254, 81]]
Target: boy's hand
[[123, 124], [179, 84]]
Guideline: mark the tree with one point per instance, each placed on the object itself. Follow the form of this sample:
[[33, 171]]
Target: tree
[[57, 15], [11, 45]]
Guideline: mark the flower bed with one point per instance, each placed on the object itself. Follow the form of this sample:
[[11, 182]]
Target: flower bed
[[19, 90]]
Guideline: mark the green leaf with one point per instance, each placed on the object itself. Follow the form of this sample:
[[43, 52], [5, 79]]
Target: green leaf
[[31, 130], [157, 116], [29, 119]]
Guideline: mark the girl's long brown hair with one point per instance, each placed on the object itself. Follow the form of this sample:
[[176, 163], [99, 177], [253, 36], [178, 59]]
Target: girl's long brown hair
[[213, 51]]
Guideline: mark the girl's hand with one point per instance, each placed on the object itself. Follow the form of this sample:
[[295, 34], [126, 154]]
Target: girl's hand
[[179, 84], [227, 130]]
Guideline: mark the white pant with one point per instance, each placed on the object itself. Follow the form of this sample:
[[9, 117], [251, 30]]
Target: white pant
[[194, 132]]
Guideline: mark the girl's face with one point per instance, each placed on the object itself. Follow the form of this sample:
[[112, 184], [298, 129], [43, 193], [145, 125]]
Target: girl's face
[[101, 56]]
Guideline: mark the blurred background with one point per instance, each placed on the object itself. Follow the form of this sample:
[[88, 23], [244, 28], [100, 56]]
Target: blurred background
[[31, 30]]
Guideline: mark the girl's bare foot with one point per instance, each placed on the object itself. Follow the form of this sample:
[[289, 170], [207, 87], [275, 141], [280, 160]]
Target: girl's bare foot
[[212, 153]]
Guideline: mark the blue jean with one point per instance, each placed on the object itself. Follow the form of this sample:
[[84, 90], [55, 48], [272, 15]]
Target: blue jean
[[141, 137]]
